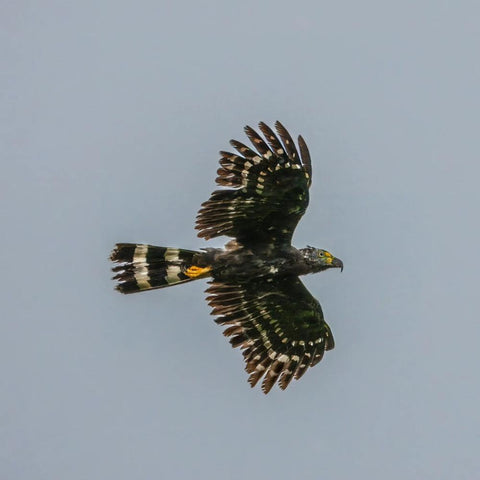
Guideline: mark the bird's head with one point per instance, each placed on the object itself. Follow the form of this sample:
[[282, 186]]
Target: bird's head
[[320, 259]]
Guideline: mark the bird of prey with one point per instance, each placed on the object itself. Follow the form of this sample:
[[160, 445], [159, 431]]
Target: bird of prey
[[255, 290]]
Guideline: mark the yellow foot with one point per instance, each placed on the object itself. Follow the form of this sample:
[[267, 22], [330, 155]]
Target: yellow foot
[[195, 272]]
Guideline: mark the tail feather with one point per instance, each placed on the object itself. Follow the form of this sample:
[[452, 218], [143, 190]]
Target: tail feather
[[146, 267]]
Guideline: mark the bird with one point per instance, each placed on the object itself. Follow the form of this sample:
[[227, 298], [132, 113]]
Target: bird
[[254, 287]]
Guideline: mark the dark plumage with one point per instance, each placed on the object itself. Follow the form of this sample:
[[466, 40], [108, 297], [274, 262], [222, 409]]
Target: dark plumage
[[254, 288]]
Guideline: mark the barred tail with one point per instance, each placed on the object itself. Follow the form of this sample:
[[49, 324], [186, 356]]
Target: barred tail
[[146, 267]]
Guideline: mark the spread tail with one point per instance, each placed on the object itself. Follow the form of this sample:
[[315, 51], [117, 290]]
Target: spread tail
[[146, 267]]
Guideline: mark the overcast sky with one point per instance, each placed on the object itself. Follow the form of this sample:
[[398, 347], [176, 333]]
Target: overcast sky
[[112, 116]]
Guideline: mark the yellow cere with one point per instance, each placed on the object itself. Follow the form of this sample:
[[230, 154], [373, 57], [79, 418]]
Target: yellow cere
[[195, 272], [329, 257]]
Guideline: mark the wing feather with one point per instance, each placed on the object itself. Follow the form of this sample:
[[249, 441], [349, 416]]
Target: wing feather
[[272, 140], [267, 190], [278, 325], [306, 160], [288, 142]]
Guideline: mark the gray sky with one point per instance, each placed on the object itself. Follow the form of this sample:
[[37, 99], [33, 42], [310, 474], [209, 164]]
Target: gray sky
[[111, 119]]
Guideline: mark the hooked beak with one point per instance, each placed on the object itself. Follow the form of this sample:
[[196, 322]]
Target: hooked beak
[[337, 263]]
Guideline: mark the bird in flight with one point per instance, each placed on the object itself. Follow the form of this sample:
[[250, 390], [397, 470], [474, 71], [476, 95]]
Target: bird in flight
[[254, 288]]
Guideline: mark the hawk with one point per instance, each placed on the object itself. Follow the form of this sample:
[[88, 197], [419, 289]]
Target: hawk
[[255, 290]]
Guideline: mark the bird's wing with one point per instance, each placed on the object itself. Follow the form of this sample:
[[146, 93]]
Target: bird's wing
[[268, 189], [277, 323]]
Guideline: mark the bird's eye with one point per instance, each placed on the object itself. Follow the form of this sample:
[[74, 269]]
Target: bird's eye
[[320, 253]]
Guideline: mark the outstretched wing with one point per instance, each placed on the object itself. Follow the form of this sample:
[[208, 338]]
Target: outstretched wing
[[277, 323], [268, 191]]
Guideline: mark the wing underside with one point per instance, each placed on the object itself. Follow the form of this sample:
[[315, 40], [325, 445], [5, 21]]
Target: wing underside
[[278, 324], [267, 189]]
